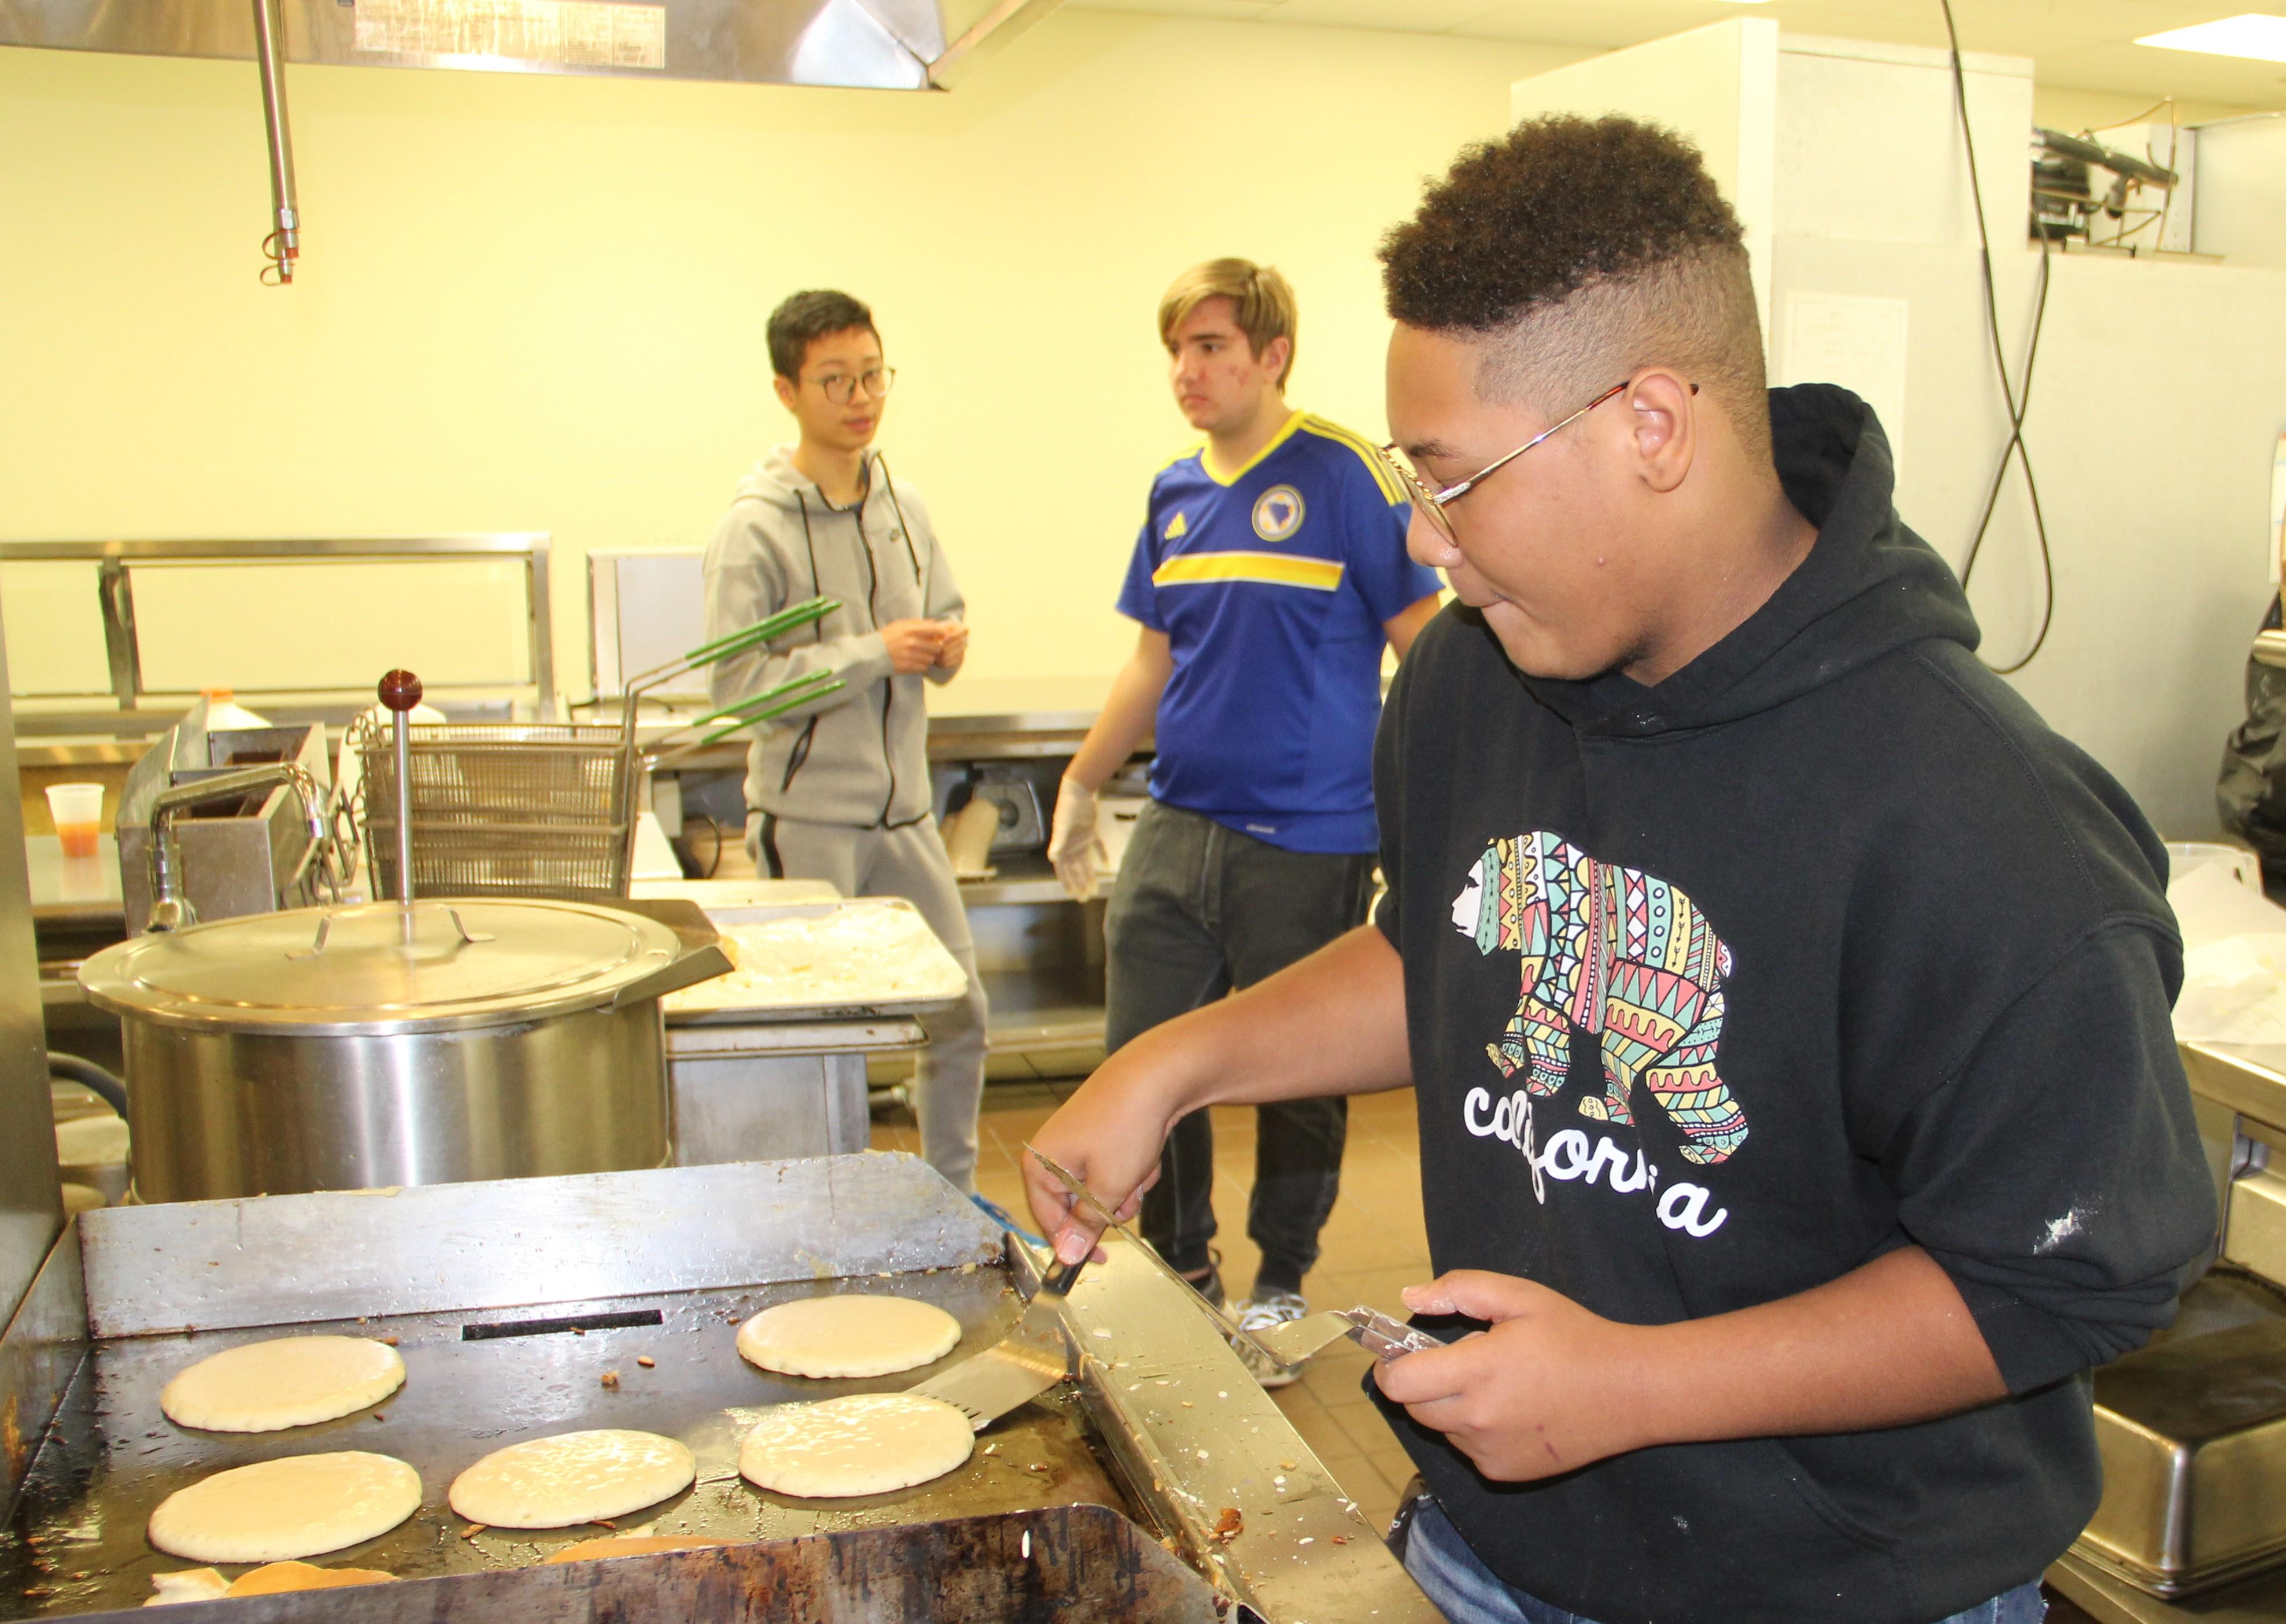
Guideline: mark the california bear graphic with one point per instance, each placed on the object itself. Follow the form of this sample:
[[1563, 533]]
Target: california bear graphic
[[1618, 954]]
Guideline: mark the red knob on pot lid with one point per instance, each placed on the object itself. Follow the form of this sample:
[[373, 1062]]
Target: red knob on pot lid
[[399, 691]]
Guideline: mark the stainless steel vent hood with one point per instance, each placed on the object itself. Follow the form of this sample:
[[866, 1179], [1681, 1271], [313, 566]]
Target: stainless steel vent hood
[[877, 44]]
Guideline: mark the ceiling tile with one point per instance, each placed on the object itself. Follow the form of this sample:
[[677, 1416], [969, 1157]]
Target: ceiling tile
[[2149, 71]]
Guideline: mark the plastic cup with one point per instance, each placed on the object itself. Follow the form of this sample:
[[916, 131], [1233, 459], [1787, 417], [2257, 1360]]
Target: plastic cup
[[77, 809]]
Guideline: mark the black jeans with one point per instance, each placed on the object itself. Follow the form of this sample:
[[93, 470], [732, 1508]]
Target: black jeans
[[1198, 911]]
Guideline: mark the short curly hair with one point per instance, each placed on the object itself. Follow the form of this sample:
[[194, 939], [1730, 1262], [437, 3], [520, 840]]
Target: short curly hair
[[1586, 248]]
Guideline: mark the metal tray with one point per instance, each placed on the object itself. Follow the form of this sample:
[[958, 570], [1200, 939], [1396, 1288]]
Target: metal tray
[[682, 1011], [2193, 1435]]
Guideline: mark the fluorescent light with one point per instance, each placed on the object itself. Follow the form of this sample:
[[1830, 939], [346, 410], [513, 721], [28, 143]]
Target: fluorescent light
[[2250, 34]]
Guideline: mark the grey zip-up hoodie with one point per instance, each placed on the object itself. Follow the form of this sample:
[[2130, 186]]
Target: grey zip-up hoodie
[[859, 756]]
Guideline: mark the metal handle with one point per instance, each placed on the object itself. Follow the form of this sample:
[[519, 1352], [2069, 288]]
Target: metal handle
[[171, 905], [739, 642], [400, 692], [469, 938], [785, 620], [1225, 1320], [702, 964], [794, 689]]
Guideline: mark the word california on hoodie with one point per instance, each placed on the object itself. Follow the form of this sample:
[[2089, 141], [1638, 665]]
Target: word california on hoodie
[[1719, 988], [858, 756]]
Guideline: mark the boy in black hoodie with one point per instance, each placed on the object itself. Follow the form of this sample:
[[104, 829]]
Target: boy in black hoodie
[[1788, 1006]]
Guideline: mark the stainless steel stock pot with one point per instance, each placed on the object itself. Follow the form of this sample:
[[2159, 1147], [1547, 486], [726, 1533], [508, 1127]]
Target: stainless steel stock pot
[[387, 1043]]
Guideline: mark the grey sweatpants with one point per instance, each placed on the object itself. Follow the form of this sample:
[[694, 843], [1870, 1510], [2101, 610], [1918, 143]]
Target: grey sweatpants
[[911, 862]]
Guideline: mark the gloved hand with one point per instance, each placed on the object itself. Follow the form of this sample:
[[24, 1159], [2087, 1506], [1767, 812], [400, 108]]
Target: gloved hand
[[1074, 845]]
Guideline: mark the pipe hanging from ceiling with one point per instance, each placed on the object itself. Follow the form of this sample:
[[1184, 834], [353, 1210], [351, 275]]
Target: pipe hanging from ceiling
[[283, 246]]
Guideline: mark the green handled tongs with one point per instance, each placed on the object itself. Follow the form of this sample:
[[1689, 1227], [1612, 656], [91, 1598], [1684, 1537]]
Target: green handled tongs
[[791, 619], [761, 707]]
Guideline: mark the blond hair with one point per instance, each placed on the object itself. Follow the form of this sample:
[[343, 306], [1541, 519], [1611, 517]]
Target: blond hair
[[1262, 303]]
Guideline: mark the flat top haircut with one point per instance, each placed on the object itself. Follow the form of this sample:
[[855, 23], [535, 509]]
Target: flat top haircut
[[812, 315], [1587, 249], [1262, 303]]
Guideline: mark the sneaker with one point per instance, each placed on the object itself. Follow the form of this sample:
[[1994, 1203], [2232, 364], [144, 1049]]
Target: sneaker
[[1261, 1312], [1209, 1285]]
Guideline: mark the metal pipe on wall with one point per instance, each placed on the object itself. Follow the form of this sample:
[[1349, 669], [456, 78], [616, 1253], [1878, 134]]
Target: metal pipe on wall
[[283, 245]]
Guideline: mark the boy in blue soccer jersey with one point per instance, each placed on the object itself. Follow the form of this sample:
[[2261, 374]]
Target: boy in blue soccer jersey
[[1270, 571]]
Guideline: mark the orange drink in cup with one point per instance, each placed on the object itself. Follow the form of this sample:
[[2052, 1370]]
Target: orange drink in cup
[[77, 809]]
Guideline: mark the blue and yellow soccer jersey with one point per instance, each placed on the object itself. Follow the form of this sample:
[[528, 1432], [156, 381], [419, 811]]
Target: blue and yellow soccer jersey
[[1271, 587]]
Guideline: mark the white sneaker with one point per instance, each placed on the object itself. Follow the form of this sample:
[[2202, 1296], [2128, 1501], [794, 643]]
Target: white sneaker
[[1262, 1314]]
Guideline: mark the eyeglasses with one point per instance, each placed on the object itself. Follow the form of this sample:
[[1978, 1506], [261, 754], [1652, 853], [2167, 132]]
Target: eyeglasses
[[1431, 504], [842, 387]]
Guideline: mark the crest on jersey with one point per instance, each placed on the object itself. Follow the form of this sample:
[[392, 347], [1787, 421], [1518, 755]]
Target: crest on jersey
[[1278, 513]]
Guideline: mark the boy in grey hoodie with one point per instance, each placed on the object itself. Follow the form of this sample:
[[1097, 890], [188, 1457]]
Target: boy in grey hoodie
[[839, 789]]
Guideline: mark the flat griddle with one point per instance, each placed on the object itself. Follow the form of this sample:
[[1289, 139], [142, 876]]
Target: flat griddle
[[510, 1301]]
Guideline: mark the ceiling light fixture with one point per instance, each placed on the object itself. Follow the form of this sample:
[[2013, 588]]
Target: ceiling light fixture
[[2252, 33]]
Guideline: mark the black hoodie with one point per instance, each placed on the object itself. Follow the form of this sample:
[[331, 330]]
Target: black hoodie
[[1873, 959]]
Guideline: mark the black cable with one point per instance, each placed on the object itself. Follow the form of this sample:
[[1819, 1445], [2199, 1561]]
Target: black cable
[[2015, 445], [2017, 404], [90, 1076]]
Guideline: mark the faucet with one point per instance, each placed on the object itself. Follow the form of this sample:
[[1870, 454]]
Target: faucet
[[170, 907]]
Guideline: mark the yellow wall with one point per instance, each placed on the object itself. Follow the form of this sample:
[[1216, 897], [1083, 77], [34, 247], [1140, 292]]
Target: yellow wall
[[536, 303]]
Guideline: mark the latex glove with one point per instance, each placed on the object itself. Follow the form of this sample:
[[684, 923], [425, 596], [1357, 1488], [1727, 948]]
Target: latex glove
[[1075, 841]]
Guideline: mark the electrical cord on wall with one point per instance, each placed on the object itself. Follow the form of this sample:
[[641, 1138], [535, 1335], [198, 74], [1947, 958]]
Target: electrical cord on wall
[[2017, 402]]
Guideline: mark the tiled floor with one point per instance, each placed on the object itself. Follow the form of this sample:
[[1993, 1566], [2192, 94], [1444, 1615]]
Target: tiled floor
[[1373, 1246]]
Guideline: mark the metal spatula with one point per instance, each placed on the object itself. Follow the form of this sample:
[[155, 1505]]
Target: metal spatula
[[1373, 1331], [1289, 1346], [1082, 1196], [1019, 1367]]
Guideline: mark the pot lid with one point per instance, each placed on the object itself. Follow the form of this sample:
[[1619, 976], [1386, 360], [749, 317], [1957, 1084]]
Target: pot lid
[[375, 967]]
